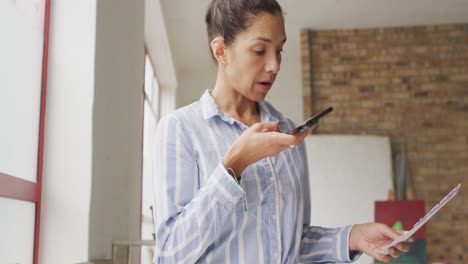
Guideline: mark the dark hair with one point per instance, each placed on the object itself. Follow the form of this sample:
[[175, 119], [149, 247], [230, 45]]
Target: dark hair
[[227, 18]]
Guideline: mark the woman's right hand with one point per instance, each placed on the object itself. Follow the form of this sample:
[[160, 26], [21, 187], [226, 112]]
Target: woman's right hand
[[260, 141]]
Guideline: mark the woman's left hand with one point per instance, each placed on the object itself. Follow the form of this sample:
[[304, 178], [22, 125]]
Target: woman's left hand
[[371, 236]]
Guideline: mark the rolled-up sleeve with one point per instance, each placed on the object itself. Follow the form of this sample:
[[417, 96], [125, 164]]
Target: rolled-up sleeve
[[188, 219], [325, 245]]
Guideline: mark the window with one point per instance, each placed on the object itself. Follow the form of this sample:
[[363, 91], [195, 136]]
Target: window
[[24, 51], [151, 93]]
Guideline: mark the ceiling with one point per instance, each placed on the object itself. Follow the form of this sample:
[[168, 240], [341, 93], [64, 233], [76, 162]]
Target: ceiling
[[185, 35], [185, 18], [326, 14]]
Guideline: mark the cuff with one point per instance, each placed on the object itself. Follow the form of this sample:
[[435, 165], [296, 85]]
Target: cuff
[[347, 255], [230, 190]]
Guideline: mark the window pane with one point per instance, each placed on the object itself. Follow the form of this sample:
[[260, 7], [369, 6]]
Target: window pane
[[17, 231], [151, 104], [22, 30], [149, 129], [156, 99], [149, 75], [151, 87]]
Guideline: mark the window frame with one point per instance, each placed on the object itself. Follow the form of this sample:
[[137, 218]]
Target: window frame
[[148, 102]]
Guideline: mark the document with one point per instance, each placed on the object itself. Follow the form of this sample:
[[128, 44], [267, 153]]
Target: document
[[421, 222]]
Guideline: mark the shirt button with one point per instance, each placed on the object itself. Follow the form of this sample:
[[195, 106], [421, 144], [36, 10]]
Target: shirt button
[[274, 217]]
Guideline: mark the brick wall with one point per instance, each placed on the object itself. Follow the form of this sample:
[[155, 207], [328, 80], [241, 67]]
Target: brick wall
[[409, 83]]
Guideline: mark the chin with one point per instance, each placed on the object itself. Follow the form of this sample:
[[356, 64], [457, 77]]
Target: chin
[[260, 97], [256, 95]]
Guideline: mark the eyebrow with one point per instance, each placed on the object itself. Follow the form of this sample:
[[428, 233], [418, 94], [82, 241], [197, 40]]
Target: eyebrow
[[269, 40]]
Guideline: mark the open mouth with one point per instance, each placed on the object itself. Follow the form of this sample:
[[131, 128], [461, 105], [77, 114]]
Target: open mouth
[[265, 85]]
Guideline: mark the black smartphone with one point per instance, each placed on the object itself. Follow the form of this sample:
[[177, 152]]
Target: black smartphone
[[310, 122]]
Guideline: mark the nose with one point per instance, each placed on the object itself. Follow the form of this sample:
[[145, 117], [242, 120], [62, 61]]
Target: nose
[[273, 64]]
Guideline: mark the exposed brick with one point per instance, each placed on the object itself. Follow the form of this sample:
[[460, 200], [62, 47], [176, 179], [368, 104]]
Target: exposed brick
[[409, 83]]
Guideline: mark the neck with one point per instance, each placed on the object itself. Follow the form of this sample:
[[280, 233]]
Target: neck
[[235, 104]]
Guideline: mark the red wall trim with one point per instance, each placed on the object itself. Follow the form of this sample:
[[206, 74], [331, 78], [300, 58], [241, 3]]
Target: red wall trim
[[17, 188], [40, 156]]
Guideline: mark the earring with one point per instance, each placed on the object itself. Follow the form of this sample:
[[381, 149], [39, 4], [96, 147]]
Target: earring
[[221, 60]]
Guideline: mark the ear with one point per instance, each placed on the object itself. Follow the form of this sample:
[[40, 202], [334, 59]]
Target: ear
[[217, 47]]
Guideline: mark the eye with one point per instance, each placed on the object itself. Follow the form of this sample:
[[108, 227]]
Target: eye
[[279, 51], [259, 52]]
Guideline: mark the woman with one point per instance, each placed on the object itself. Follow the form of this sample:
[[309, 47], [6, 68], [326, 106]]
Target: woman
[[229, 187]]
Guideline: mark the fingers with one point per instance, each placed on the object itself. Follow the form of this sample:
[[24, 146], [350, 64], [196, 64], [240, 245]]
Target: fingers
[[301, 136], [393, 253], [306, 132], [296, 139], [273, 126], [266, 127], [390, 232], [283, 139], [403, 247], [401, 232], [384, 258], [313, 127]]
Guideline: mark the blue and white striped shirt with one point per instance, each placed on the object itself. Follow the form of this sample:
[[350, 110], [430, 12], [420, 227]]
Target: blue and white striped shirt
[[198, 207]]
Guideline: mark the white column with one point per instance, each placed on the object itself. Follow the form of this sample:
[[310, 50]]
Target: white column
[[68, 155], [92, 170]]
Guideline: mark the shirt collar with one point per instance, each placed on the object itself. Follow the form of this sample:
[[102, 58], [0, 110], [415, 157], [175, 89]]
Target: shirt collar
[[210, 109]]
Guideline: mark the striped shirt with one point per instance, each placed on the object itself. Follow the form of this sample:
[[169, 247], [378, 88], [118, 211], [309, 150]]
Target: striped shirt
[[199, 208]]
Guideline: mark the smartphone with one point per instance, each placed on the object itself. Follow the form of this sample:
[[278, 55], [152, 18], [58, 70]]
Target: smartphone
[[310, 122]]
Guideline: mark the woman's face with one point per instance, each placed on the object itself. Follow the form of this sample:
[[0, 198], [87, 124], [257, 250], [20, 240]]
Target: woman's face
[[254, 58]]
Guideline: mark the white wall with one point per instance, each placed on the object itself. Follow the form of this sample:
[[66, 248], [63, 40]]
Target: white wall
[[347, 175], [92, 155], [117, 125], [160, 52], [187, 38], [67, 171]]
